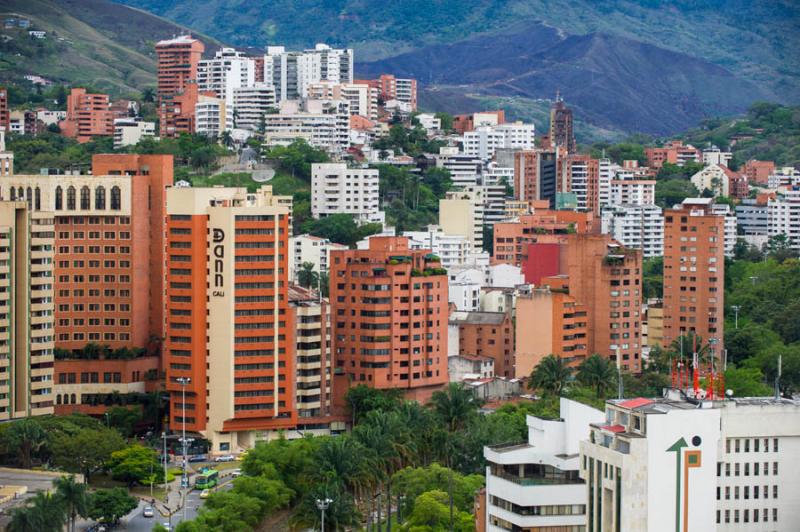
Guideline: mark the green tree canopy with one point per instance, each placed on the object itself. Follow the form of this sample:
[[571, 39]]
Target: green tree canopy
[[109, 505]]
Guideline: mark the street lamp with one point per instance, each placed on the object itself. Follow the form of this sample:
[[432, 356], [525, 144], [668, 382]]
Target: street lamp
[[108, 425], [323, 505], [183, 381], [753, 279], [736, 309], [166, 486]]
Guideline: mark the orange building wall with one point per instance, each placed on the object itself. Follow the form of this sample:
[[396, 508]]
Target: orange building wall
[[511, 239], [694, 276], [409, 306], [490, 340], [758, 171], [88, 115], [177, 64]]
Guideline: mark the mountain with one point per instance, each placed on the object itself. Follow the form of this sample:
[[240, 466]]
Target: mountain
[[611, 81], [755, 40], [96, 42]]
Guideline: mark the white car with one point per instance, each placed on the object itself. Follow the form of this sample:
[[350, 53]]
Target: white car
[[236, 473], [225, 458], [148, 512]]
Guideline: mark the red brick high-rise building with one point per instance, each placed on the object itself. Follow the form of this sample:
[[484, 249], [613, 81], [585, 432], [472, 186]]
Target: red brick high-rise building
[[694, 273], [178, 59], [88, 116], [229, 329], [177, 63], [389, 311], [109, 247], [561, 126]]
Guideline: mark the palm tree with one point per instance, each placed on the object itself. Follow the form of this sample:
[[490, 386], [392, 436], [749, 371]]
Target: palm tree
[[73, 496], [148, 94], [455, 405], [307, 277], [598, 373], [690, 343], [550, 375], [344, 462], [226, 138], [48, 512], [23, 520]]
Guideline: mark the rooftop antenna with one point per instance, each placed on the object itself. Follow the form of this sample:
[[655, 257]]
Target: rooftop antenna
[[778, 379], [620, 385]]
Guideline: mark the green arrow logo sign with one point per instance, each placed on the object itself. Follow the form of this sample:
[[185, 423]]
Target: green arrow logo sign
[[677, 448]]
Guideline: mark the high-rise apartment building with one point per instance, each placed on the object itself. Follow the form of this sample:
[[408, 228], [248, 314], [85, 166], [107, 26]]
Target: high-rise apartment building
[[673, 152], [337, 189], [694, 272], [311, 315], [88, 116], [212, 116], [26, 310], [228, 70], [323, 124], [389, 314], [177, 112], [178, 59], [487, 334], [251, 104], [461, 214], [484, 141], [310, 249], [6, 157], [291, 73], [636, 226], [670, 464], [229, 330], [392, 88], [758, 172], [783, 215], [363, 99], [582, 178], [109, 247], [536, 175], [561, 127]]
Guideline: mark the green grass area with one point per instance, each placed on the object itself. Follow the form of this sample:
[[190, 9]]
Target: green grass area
[[285, 184]]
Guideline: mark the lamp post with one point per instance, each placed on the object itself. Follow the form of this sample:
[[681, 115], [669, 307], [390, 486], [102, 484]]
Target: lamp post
[[322, 505], [108, 425], [753, 279], [183, 381], [166, 486], [736, 309]]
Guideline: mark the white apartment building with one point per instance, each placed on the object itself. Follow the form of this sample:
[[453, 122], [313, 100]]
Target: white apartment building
[[337, 189], [6, 157], [291, 73], [311, 249], [465, 170], [50, 118], [783, 215], [635, 226], [129, 131], [212, 116], [483, 141], [786, 176], [496, 182], [323, 124], [464, 288], [536, 485], [226, 71], [461, 213], [363, 99], [722, 209], [429, 122], [678, 464], [452, 249], [632, 192], [714, 156], [606, 173], [251, 104]]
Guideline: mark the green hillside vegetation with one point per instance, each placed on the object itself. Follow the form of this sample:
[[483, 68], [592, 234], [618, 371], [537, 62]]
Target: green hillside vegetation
[[95, 42], [756, 40]]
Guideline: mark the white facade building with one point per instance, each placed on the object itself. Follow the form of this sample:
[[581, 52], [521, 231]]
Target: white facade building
[[452, 249], [226, 71], [714, 156], [483, 141], [212, 116], [673, 464], [323, 124], [251, 104], [337, 189], [783, 216], [785, 176], [722, 209], [636, 226], [464, 288], [714, 178], [461, 213], [129, 131], [363, 99], [291, 73], [632, 192], [752, 217], [606, 173], [50, 118], [465, 170], [429, 122], [535, 485], [311, 249]]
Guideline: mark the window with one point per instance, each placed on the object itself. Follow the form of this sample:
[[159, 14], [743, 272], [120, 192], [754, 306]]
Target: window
[[71, 198], [59, 198], [85, 201], [116, 198], [38, 202], [100, 198]]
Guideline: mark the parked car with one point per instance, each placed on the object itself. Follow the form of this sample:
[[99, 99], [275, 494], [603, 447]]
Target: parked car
[[148, 511], [166, 526], [225, 458], [198, 458], [204, 494], [236, 473]]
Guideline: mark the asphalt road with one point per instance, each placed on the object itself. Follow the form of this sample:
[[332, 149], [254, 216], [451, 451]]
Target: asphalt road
[[136, 522]]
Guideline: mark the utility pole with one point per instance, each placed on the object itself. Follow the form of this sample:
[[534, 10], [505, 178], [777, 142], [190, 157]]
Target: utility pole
[[736, 309], [184, 381], [322, 505]]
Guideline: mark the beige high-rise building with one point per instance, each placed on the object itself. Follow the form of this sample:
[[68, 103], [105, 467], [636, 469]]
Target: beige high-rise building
[[26, 311]]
